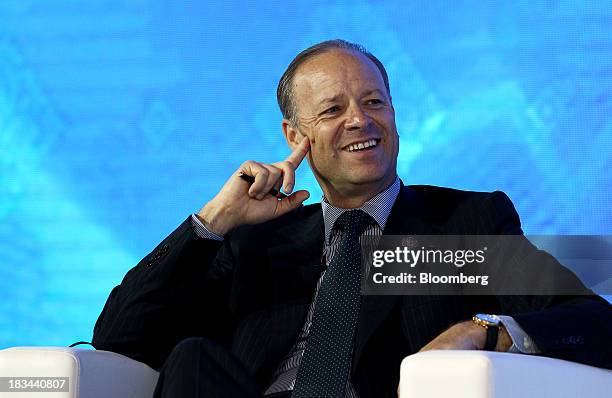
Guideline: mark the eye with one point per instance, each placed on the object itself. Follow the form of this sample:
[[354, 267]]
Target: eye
[[332, 109], [374, 101]]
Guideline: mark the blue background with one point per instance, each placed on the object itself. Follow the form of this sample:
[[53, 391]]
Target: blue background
[[118, 119]]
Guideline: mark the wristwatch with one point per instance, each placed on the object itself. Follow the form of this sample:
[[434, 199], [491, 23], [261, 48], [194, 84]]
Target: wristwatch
[[492, 323]]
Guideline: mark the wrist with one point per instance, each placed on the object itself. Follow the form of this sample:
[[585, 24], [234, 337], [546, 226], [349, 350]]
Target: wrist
[[496, 337], [504, 341], [215, 218], [478, 333]]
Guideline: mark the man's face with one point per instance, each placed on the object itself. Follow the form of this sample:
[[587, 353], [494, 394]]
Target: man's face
[[344, 109]]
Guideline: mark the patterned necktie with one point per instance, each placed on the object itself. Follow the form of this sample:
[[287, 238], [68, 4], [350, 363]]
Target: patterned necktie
[[326, 362]]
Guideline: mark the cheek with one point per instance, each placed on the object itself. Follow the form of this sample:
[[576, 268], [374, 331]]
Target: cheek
[[330, 137], [394, 145], [327, 151], [322, 144], [320, 153], [323, 154], [323, 136]]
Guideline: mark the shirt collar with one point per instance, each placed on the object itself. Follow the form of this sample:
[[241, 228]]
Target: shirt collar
[[378, 207]]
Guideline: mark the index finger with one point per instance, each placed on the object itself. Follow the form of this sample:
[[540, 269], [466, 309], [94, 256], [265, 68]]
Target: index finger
[[299, 153]]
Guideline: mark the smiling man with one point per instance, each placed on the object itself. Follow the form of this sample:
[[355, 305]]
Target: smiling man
[[341, 101], [258, 295]]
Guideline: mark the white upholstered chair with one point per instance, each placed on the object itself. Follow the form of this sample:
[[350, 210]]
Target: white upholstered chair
[[432, 374]]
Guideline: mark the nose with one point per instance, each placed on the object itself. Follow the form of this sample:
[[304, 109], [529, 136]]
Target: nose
[[356, 119]]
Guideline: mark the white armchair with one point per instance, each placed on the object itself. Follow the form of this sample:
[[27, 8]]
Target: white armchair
[[91, 374], [432, 374], [484, 374]]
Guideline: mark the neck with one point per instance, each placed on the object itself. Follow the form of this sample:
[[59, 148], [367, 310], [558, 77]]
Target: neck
[[355, 195]]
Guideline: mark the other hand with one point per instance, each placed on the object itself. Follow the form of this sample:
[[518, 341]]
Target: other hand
[[467, 336]]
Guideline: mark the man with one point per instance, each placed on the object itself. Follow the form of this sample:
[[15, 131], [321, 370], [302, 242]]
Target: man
[[257, 295]]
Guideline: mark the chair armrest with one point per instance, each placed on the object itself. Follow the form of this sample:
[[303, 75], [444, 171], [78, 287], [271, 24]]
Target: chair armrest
[[484, 374], [91, 373]]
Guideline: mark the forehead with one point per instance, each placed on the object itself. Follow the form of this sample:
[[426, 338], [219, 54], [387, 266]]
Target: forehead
[[335, 72]]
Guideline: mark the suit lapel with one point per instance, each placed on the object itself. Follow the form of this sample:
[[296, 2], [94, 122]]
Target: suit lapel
[[408, 217], [297, 249]]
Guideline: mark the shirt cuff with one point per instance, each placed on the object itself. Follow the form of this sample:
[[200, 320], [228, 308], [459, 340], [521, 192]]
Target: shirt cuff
[[521, 342], [201, 230]]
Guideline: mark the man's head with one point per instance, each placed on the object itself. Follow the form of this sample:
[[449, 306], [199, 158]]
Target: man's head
[[337, 94]]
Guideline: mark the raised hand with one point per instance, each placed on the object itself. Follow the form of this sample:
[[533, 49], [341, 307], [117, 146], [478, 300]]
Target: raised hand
[[240, 202]]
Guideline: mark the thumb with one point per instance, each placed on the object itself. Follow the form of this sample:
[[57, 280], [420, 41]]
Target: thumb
[[291, 202]]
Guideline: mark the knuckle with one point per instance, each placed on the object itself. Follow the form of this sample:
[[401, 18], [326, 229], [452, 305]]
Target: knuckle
[[275, 170]]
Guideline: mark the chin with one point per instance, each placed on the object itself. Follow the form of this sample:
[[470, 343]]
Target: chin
[[368, 176]]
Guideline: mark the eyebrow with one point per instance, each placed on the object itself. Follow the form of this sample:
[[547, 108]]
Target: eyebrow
[[338, 96], [370, 92], [330, 99]]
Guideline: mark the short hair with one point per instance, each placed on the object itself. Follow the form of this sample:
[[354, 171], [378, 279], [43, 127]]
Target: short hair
[[284, 92]]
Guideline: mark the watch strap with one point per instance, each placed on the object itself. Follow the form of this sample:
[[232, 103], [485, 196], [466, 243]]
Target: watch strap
[[492, 336]]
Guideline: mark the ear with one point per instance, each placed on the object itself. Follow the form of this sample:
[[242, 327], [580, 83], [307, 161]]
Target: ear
[[292, 135]]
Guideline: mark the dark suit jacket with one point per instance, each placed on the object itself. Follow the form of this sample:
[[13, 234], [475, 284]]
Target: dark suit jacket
[[251, 293]]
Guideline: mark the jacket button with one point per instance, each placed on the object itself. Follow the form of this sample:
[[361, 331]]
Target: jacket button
[[158, 254]]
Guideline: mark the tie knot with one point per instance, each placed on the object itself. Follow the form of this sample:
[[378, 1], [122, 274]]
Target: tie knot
[[353, 221]]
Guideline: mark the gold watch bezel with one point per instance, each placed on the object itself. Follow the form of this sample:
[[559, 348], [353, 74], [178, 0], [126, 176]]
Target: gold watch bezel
[[486, 320]]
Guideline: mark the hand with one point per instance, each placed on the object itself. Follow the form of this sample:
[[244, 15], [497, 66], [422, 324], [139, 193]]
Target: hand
[[467, 336], [239, 203]]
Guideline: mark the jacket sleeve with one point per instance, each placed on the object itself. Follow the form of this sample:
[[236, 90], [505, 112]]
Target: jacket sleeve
[[179, 290], [572, 327]]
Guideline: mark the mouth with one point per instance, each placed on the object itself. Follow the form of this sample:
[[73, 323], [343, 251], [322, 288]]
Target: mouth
[[361, 146]]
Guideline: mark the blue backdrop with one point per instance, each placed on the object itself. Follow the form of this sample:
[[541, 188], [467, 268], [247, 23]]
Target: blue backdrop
[[118, 119]]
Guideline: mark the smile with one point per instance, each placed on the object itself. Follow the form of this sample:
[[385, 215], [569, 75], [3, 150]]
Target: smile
[[360, 146]]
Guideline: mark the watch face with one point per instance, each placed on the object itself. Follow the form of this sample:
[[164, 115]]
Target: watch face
[[488, 318]]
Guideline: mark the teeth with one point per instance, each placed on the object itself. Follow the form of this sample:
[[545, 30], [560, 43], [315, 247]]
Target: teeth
[[361, 145]]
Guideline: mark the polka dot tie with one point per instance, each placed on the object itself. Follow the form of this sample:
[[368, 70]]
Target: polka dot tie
[[326, 363]]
